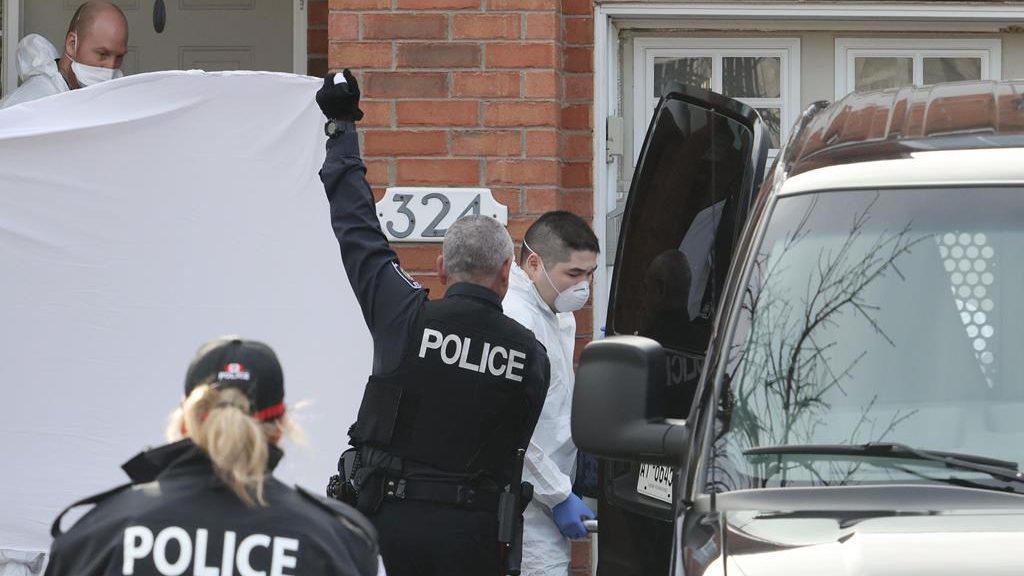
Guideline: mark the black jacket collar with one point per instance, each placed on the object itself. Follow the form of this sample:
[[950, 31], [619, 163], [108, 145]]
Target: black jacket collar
[[146, 466], [474, 291]]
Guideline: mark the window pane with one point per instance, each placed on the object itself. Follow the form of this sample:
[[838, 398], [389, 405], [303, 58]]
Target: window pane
[[951, 69], [879, 73], [751, 77], [687, 71], [772, 118]]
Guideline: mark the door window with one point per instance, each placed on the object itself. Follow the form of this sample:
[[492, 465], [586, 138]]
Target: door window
[[764, 74]]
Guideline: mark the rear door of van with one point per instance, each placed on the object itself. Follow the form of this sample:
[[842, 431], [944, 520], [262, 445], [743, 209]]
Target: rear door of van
[[700, 166]]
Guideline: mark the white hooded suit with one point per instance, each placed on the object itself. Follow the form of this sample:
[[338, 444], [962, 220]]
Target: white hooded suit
[[551, 457]]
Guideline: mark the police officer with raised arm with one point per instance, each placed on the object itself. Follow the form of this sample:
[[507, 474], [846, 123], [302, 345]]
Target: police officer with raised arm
[[456, 387]]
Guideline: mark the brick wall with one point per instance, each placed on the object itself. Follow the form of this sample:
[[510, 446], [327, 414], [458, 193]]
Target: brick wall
[[494, 93]]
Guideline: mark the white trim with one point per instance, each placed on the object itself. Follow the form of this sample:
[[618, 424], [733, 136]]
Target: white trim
[[10, 36], [300, 30], [645, 50], [606, 47], [919, 11], [846, 49]]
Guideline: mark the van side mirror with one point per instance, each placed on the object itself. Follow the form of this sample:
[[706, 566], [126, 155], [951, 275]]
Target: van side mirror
[[619, 403]]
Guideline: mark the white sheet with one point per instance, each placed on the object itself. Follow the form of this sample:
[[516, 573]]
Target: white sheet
[[139, 218]]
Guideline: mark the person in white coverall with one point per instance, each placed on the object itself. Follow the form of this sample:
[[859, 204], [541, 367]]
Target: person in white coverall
[[94, 47], [557, 264]]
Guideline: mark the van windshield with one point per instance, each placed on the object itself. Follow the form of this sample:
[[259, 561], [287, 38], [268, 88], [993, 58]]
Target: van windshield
[[882, 317]]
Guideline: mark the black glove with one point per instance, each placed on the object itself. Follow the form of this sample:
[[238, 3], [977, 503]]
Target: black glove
[[340, 101]]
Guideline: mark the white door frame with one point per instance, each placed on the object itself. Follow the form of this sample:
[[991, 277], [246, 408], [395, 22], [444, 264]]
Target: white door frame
[[606, 69], [12, 32]]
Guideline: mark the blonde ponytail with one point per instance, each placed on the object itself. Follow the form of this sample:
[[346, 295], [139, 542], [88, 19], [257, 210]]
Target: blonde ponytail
[[218, 420]]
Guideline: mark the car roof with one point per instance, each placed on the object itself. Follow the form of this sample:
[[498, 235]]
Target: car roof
[[880, 137]]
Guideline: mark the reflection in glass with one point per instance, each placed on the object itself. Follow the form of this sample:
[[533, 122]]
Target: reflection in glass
[[687, 71], [752, 77], [772, 118], [877, 73], [951, 69], [876, 317]]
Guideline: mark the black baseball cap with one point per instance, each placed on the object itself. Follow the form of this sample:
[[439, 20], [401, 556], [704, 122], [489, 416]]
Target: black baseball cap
[[248, 365]]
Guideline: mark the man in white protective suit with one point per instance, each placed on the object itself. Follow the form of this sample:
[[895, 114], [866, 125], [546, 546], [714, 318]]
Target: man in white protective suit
[[94, 46], [557, 264]]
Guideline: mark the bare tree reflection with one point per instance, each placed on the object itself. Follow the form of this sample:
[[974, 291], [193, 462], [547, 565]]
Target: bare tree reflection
[[785, 370]]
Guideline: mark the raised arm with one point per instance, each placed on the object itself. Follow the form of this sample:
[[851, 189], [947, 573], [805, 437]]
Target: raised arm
[[389, 298]]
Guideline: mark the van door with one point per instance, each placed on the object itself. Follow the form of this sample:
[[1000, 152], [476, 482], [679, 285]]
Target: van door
[[700, 167]]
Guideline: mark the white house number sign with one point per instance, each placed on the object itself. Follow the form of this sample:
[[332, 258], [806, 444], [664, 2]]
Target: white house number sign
[[424, 214]]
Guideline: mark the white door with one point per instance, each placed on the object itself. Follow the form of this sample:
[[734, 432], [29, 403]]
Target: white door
[[210, 35]]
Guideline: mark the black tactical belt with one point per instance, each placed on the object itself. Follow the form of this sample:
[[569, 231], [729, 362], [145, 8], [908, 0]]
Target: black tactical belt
[[442, 492]]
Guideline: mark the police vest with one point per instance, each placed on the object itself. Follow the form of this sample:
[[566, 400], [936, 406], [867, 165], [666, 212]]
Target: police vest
[[458, 399]]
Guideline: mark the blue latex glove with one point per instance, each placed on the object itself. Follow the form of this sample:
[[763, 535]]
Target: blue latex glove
[[569, 517]]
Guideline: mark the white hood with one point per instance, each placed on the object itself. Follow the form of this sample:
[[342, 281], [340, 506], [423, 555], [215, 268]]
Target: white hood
[[37, 71], [36, 56]]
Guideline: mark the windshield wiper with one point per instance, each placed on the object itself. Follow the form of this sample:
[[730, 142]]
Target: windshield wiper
[[1000, 469]]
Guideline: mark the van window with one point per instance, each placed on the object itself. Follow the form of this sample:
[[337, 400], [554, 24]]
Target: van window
[[877, 317]]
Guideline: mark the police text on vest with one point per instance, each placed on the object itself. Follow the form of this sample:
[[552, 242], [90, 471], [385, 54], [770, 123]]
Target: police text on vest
[[188, 555], [453, 349]]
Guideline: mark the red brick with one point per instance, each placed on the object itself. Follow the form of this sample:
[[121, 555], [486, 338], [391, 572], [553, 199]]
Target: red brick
[[577, 146], [361, 55], [579, 202], [317, 66], [577, 175], [517, 226], [516, 5], [585, 328], [522, 172], [522, 55], [579, 59], [521, 114], [438, 4], [576, 117], [317, 15], [542, 84], [446, 171], [378, 172], [579, 87], [405, 84], [541, 143], [509, 197], [375, 113], [438, 113], [487, 26], [436, 55], [540, 200], [419, 258], [579, 31], [578, 7], [542, 26], [487, 84], [487, 143], [405, 26], [405, 143], [343, 27], [316, 42], [360, 5]]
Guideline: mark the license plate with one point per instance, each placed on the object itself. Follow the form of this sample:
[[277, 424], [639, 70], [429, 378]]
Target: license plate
[[656, 482]]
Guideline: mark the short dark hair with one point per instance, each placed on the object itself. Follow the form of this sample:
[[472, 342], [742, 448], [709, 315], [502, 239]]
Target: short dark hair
[[556, 235]]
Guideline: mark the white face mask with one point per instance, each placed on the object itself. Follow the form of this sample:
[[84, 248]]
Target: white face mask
[[88, 75], [572, 298]]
